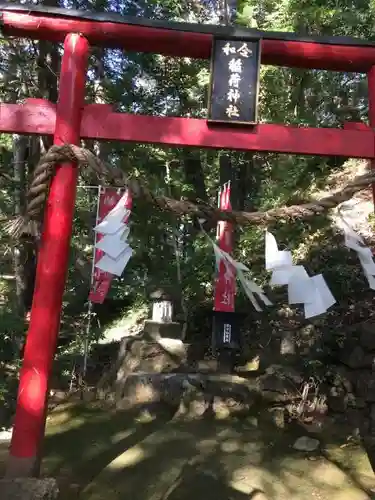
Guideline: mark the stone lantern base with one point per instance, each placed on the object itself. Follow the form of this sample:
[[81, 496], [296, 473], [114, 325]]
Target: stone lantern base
[[156, 330]]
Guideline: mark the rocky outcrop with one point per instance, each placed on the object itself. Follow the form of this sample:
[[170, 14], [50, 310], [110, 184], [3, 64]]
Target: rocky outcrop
[[305, 443], [350, 383], [141, 354], [274, 390]]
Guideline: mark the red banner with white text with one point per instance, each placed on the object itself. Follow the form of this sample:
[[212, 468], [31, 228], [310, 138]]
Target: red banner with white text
[[101, 281], [225, 285]]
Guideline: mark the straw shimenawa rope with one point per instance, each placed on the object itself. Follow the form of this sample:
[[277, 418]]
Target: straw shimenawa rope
[[58, 155]]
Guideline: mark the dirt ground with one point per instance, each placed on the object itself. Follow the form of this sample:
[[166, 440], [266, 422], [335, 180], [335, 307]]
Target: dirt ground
[[97, 454]]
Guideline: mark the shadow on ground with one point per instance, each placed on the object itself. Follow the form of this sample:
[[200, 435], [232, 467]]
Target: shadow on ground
[[98, 454]]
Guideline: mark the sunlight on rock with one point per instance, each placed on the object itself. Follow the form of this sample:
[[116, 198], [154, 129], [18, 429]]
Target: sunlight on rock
[[296, 479], [128, 458], [252, 365], [145, 417], [325, 473], [244, 477], [259, 495], [55, 428], [350, 494], [59, 418], [253, 421], [258, 483], [221, 412], [230, 446], [255, 493], [241, 487], [119, 436], [297, 466]]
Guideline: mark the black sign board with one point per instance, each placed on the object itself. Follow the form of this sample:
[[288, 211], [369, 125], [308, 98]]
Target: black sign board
[[234, 85], [226, 330]]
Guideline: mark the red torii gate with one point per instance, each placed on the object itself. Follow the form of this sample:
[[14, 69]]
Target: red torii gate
[[71, 119]]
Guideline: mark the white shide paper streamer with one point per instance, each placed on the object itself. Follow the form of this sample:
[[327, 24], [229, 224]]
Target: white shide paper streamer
[[251, 289], [355, 242], [312, 292], [115, 231]]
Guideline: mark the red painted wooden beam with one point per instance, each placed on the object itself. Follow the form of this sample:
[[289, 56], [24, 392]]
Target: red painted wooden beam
[[185, 43], [100, 122], [34, 116]]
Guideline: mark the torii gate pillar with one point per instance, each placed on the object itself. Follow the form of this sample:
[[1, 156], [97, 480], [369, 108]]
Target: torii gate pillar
[[51, 271], [371, 111]]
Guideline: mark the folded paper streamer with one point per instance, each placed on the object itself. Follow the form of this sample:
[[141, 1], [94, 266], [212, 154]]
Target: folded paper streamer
[[250, 288], [356, 243], [114, 244], [312, 292], [115, 266], [114, 220], [115, 231]]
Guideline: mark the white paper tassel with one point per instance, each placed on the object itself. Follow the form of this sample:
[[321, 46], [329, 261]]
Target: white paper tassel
[[276, 258], [250, 288], [355, 242], [115, 266], [249, 292], [114, 244], [312, 292], [115, 219], [115, 231], [322, 298]]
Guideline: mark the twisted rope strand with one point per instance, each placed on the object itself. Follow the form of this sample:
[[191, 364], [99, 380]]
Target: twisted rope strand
[[85, 159]]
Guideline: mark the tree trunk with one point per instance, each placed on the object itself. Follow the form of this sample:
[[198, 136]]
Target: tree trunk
[[226, 171], [20, 144], [194, 178], [47, 64], [249, 181], [24, 250], [194, 175]]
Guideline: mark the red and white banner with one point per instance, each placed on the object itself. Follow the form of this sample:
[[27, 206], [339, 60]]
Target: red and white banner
[[225, 285], [100, 280]]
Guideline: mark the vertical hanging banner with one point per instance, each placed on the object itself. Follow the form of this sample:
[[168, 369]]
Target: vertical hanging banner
[[234, 86], [101, 280], [225, 286]]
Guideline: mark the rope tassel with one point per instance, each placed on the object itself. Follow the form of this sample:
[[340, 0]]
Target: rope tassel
[[58, 155]]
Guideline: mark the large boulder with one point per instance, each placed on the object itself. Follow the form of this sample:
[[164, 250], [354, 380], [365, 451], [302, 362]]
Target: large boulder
[[280, 384], [359, 358], [305, 443], [141, 354]]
